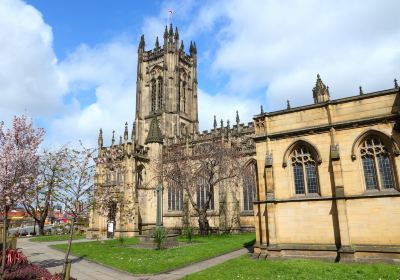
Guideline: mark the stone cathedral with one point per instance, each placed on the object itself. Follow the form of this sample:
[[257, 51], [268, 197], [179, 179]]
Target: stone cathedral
[[324, 177], [167, 113]]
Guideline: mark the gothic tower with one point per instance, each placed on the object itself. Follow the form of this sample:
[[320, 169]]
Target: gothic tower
[[166, 87]]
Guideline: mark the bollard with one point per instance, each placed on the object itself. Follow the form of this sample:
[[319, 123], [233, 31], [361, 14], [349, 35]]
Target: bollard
[[67, 270]]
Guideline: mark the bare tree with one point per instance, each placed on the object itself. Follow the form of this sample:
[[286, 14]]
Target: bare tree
[[205, 166], [51, 177], [77, 191]]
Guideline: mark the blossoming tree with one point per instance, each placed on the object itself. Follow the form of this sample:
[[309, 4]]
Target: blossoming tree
[[18, 166]]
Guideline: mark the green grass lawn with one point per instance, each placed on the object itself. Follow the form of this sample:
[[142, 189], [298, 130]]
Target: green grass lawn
[[49, 238], [247, 268], [147, 261]]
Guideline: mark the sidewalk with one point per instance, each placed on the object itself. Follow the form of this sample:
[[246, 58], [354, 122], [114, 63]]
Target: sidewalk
[[40, 253]]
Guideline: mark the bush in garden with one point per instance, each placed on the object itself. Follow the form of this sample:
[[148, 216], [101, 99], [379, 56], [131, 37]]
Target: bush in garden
[[188, 232], [28, 272], [121, 240], [160, 235], [14, 259]]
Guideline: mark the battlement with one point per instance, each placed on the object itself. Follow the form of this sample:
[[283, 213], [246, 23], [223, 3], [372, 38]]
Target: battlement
[[171, 44]]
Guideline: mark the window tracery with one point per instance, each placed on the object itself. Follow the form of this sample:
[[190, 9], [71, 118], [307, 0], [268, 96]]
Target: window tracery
[[377, 165], [304, 171], [153, 95]]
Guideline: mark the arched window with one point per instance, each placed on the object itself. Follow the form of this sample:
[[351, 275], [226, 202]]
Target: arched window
[[175, 197], [160, 93], [184, 97], [120, 178], [304, 171], [249, 186], [112, 211], [377, 165], [153, 95], [202, 192]]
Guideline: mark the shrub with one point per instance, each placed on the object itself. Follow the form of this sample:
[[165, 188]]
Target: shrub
[[14, 259], [28, 272], [121, 240], [160, 235], [188, 232]]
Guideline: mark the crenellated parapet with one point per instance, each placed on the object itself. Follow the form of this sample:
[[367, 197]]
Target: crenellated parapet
[[239, 133]]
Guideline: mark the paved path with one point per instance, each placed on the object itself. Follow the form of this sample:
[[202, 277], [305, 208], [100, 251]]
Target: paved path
[[40, 253]]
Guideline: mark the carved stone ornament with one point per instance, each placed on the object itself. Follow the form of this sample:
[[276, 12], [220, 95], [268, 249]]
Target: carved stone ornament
[[268, 160]]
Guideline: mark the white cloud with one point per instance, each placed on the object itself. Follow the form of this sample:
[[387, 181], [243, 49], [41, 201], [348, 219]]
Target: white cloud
[[108, 70], [29, 77], [273, 47], [281, 46]]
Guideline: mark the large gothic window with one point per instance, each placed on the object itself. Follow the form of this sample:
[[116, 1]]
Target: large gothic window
[[202, 192], [119, 177], [153, 95], [304, 171], [377, 165], [184, 97], [175, 197], [249, 186], [160, 93], [112, 211]]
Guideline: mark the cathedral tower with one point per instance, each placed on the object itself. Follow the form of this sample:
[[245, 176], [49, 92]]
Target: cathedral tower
[[166, 87]]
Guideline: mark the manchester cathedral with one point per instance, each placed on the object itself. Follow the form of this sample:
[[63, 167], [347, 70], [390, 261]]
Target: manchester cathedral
[[324, 177]]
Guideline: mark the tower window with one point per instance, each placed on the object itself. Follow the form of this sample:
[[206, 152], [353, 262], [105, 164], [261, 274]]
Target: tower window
[[153, 95], [160, 93], [184, 97]]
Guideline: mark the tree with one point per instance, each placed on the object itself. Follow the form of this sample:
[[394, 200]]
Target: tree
[[18, 167], [77, 191], [52, 169], [204, 166]]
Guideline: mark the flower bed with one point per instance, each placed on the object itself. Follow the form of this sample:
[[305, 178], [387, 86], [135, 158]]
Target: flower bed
[[19, 268]]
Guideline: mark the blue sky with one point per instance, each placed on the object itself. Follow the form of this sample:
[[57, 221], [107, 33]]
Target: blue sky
[[72, 64]]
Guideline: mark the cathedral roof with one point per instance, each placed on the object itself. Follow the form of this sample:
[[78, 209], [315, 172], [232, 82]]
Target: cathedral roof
[[155, 135]]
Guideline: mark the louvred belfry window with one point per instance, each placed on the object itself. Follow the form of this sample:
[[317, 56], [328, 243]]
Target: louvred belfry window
[[160, 93]]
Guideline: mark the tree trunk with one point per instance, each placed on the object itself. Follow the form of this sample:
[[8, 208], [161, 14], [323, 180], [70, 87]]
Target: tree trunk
[[71, 232], [41, 227], [3, 260], [204, 227]]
